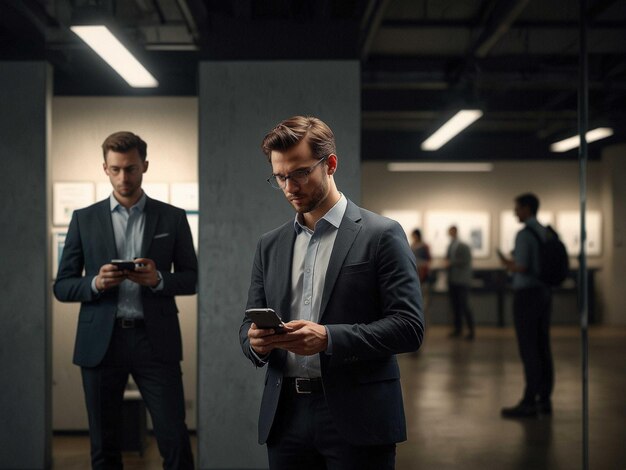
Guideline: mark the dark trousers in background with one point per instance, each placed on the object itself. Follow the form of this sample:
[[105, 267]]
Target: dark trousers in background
[[304, 437], [161, 388], [531, 313], [459, 299]]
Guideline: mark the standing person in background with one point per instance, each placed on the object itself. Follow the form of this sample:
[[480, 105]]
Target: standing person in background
[[422, 255], [532, 304], [421, 250], [459, 265], [344, 281], [128, 320]]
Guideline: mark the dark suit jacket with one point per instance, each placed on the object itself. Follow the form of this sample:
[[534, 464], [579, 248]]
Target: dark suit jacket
[[90, 243], [372, 307]]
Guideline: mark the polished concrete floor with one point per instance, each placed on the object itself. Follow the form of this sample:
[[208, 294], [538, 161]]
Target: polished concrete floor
[[453, 391]]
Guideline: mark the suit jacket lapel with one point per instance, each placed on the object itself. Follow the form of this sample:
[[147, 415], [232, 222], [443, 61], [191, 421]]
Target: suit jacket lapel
[[346, 234], [283, 263], [152, 217], [106, 225]]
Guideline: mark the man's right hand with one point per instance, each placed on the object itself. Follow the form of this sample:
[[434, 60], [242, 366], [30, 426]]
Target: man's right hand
[[261, 340], [109, 277]]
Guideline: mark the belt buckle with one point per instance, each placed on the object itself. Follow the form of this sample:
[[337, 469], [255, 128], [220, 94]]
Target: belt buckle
[[298, 380], [128, 323]]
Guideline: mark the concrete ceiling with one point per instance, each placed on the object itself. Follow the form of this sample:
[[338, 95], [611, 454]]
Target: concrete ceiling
[[518, 60]]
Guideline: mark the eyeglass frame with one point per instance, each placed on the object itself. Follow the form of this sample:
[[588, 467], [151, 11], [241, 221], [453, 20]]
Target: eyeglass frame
[[304, 173]]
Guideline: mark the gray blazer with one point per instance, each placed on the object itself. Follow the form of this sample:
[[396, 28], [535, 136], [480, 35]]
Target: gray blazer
[[460, 269], [372, 307]]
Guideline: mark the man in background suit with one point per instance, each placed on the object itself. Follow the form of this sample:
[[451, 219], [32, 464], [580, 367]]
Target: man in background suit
[[128, 320], [459, 264], [345, 282]]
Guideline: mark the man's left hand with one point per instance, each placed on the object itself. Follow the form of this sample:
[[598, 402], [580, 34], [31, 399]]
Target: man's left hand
[[145, 275], [304, 338]]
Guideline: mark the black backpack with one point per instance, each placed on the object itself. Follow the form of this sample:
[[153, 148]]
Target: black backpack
[[553, 259]]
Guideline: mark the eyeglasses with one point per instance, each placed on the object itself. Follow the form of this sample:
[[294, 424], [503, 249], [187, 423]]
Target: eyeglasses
[[299, 177]]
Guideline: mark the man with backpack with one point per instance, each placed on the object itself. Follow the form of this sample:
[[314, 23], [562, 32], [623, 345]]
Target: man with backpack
[[531, 309]]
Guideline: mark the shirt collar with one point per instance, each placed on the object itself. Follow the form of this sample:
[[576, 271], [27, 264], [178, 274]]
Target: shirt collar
[[139, 206], [333, 216]]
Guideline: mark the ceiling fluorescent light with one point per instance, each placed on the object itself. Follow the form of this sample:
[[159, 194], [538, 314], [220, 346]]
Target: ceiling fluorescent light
[[451, 167], [573, 142], [107, 46], [456, 124]]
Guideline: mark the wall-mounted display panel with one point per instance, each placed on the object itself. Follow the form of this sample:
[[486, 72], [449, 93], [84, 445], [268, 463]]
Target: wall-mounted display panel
[[185, 196], [568, 226], [510, 225], [473, 229], [58, 243], [67, 197], [408, 219]]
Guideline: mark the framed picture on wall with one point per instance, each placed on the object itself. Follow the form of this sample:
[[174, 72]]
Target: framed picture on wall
[[158, 191], [473, 228], [185, 196], [408, 219], [103, 190], [67, 197], [58, 243], [568, 226]]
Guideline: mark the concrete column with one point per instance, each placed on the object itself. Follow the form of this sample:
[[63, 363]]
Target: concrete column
[[239, 103], [25, 356], [614, 208]]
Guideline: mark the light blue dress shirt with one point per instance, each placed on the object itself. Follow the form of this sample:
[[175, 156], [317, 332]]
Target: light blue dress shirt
[[311, 256], [128, 228]]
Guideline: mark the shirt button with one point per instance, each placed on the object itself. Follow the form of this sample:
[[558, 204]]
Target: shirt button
[[308, 270], [307, 301]]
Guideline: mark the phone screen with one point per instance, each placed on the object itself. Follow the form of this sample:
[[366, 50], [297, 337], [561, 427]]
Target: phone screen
[[124, 265]]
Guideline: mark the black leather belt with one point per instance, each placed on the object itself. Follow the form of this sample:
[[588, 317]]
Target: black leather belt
[[129, 322], [304, 385]]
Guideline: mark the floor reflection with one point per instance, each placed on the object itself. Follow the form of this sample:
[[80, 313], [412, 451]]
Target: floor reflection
[[453, 391]]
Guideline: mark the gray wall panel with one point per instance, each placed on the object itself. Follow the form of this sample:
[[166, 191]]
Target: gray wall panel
[[25, 338], [239, 103]]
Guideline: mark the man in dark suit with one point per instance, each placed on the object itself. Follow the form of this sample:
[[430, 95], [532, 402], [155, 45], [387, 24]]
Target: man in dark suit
[[128, 320], [345, 282], [459, 264]]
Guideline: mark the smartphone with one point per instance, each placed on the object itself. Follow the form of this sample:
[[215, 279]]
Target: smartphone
[[265, 319], [124, 264]]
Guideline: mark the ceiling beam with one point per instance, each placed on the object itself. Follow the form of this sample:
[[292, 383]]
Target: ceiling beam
[[599, 7], [500, 19], [372, 19]]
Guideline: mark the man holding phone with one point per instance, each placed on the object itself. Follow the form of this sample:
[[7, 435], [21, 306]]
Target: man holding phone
[[128, 320], [345, 283]]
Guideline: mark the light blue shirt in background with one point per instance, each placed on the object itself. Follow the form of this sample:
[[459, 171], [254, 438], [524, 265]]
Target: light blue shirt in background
[[526, 253], [128, 228]]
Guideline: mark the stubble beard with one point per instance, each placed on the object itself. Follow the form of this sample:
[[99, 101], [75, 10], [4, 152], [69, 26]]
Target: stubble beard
[[317, 198]]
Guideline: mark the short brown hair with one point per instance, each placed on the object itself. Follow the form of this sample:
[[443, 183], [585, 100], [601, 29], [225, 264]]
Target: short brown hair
[[124, 141], [292, 131], [528, 200]]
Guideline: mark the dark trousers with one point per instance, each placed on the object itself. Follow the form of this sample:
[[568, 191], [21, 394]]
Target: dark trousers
[[304, 437], [459, 298], [531, 313], [161, 387]]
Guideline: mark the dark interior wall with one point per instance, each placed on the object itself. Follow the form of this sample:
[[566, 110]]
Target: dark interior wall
[[25, 356]]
